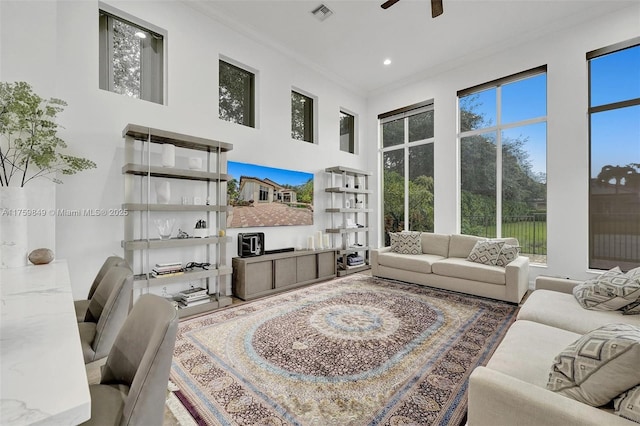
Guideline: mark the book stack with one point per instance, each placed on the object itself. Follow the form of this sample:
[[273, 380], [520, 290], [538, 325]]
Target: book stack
[[192, 297], [167, 269]]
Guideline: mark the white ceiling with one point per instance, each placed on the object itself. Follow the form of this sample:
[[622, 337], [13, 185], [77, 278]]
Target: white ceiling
[[351, 45]]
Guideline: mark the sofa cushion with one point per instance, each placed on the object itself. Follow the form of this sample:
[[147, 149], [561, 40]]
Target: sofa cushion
[[527, 350], [563, 311], [462, 268], [405, 242], [508, 253], [627, 405], [461, 245], [610, 291], [632, 308], [598, 366], [420, 263], [485, 252], [435, 243]]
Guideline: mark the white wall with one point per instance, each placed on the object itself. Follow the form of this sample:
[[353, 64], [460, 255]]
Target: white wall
[[53, 45], [567, 130]]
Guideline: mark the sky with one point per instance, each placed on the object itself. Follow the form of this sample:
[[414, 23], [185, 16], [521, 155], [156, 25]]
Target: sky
[[615, 135], [280, 176]]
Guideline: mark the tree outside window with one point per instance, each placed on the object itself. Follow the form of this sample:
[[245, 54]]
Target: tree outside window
[[236, 94], [407, 167], [301, 117], [130, 59]]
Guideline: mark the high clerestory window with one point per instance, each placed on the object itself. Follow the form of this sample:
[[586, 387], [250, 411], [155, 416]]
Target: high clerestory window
[[236, 94], [347, 132], [407, 168], [614, 172], [503, 145], [302, 117], [130, 58]]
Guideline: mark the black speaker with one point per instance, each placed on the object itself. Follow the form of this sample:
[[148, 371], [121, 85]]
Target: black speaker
[[251, 244]]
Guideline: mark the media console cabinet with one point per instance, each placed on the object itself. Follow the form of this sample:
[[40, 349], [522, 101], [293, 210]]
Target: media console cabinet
[[271, 273]]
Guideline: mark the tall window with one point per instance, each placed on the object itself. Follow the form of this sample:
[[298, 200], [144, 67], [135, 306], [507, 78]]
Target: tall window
[[407, 167], [614, 176], [503, 143], [237, 94], [347, 132], [131, 58], [301, 117]]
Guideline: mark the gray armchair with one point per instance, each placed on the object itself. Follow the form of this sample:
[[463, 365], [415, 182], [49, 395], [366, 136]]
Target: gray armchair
[[82, 305], [107, 312], [133, 385]]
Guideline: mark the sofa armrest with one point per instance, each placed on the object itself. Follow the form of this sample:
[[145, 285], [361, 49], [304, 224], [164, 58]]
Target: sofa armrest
[[517, 278], [373, 260], [496, 399], [562, 285]]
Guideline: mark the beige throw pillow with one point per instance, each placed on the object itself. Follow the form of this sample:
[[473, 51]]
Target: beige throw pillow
[[610, 291], [599, 366], [486, 252], [627, 405], [508, 253], [406, 242]]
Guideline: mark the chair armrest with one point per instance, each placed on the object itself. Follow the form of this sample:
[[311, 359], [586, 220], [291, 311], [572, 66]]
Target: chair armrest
[[562, 285], [517, 278], [496, 399]]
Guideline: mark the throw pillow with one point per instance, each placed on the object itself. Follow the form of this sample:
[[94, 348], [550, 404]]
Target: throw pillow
[[406, 242], [508, 254], [486, 252], [627, 405], [610, 291], [634, 307], [598, 366]]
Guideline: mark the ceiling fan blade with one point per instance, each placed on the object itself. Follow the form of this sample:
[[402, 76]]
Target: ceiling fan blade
[[387, 4], [436, 8]]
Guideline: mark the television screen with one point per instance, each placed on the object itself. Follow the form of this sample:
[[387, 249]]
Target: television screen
[[267, 196]]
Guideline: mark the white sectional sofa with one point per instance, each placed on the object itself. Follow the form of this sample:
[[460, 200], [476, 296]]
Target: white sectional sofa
[[512, 388], [442, 263]]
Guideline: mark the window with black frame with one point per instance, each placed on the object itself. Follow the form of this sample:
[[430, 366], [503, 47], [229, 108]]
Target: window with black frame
[[302, 117], [236, 94], [130, 58], [407, 154], [614, 175]]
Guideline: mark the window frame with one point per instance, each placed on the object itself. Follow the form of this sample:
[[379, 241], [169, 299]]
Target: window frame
[[310, 116], [497, 128], [153, 65], [352, 131], [250, 109], [403, 114], [591, 111]]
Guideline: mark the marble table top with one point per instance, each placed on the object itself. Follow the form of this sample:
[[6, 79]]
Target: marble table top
[[42, 374]]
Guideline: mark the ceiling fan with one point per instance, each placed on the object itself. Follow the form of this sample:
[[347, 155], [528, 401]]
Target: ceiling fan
[[436, 6]]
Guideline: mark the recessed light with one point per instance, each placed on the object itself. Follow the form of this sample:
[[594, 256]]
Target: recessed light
[[387, 61], [140, 34]]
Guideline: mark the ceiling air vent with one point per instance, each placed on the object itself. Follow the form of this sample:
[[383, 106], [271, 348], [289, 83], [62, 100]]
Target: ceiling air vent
[[322, 12]]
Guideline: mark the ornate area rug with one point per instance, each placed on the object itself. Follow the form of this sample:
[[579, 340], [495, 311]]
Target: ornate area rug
[[352, 351]]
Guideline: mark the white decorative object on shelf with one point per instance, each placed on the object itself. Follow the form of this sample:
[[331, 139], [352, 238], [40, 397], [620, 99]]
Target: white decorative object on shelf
[[165, 227], [310, 244], [168, 155], [318, 243], [325, 241], [195, 163], [14, 242], [163, 191]]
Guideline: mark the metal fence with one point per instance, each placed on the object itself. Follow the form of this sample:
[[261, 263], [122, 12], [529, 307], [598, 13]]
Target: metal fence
[[530, 230], [615, 237]]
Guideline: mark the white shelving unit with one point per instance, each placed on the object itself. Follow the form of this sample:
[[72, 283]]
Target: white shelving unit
[[349, 212], [142, 169]]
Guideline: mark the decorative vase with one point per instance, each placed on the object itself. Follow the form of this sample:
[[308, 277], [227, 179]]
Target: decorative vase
[[165, 227], [168, 155], [14, 236], [163, 192]]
